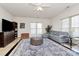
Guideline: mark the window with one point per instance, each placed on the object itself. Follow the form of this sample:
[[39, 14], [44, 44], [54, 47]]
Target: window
[[75, 26], [36, 29], [65, 25], [71, 25]]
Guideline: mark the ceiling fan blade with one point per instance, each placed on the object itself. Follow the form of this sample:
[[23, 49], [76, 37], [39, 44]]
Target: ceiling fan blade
[[43, 5]]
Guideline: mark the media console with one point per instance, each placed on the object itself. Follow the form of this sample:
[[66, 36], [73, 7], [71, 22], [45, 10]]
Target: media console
[[8, 33], [6, 38]]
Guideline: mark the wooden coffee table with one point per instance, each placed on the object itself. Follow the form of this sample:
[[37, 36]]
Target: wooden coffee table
[[36, 41]]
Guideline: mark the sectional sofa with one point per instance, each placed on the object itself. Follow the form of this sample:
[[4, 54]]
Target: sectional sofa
[[62, 37]]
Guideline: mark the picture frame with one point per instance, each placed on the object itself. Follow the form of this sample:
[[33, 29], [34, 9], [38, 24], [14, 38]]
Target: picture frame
[[22, 25]]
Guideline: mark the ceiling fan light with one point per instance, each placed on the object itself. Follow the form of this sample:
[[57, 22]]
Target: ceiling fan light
[[39, 9]]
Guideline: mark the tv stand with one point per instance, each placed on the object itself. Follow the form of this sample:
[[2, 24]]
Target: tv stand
[[9, 32], [6, 38]]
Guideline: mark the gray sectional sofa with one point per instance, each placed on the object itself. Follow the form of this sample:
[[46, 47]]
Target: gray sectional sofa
[[62, 37]]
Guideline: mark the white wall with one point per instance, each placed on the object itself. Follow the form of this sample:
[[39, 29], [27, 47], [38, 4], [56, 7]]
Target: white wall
[[27, 22], [4, 15], [56, 22]]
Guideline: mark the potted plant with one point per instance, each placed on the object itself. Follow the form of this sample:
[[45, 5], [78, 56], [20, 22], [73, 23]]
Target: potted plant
[[48, 28]]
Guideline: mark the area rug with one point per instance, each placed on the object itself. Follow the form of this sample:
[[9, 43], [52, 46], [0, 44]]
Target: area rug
[[48, 48]]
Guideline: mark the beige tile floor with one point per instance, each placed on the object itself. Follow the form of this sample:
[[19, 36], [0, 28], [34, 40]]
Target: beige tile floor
[[6, 49]]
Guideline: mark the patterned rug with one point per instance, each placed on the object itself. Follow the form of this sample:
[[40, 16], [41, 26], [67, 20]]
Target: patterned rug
[[48, 48]]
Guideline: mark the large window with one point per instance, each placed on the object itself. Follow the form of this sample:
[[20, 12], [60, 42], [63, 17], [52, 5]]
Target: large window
[[71, 25], [36, 29], [75, 26], [65, 25]]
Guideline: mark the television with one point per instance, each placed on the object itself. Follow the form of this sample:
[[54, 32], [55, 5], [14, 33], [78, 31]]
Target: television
[[7, 25]]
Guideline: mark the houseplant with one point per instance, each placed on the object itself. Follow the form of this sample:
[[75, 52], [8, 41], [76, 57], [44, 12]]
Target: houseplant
[[48, 28]]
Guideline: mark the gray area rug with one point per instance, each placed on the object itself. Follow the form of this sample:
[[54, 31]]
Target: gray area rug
[[48, 48]]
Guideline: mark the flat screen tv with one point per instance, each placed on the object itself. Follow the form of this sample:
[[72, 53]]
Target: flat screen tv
[[7, 25]]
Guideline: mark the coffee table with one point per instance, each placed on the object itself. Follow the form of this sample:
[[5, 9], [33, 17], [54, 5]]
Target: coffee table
[[36, 41]]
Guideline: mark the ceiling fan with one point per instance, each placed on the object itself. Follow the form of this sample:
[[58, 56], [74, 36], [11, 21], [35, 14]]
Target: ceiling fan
[[40, 6]]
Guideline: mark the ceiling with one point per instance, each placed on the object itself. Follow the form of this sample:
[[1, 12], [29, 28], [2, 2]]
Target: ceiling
[[27, 9]]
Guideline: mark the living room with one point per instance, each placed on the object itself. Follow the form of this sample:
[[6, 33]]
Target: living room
[[32, 20]]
